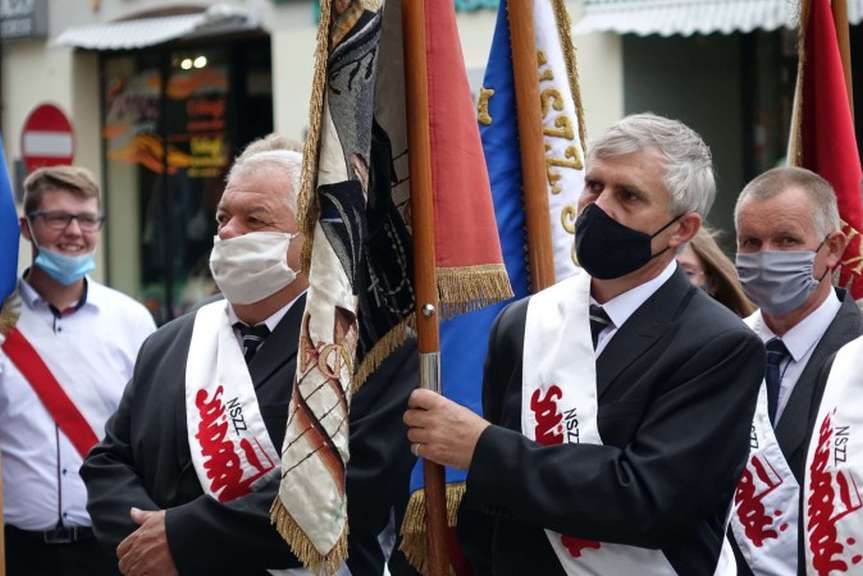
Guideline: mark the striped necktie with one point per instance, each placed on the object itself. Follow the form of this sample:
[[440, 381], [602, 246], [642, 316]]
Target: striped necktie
[[253, 337], [599, 321]]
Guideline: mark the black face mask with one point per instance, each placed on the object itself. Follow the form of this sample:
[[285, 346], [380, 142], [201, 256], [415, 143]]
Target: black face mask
[[607, 249]]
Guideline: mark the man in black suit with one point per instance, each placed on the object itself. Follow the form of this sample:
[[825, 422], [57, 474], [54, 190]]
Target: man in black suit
[[148, 498], [676, 376], [788, 242]]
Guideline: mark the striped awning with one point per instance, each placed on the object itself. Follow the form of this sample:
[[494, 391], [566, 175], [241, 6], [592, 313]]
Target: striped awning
[[142, 32], [687, 17]]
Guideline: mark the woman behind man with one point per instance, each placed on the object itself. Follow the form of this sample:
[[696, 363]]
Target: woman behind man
[[708, 268]]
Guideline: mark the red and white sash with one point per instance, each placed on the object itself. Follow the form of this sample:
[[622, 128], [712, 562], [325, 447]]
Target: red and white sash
[[559, 404], [833, 496], [73, 408], [765, 510], [231, 448]]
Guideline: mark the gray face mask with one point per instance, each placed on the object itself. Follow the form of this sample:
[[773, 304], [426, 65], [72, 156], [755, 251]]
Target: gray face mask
[[778, 281]]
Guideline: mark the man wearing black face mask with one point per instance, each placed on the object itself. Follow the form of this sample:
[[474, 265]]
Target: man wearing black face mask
[[614, 400], [788, 242]]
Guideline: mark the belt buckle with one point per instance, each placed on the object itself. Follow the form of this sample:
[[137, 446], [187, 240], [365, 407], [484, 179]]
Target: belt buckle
[[60, 535]]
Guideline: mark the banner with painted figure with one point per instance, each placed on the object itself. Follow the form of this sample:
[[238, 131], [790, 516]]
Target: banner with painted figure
[[464, 337], [9, 235], [354, 208]]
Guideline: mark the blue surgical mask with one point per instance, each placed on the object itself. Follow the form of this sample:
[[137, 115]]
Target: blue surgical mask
[[65, 269]]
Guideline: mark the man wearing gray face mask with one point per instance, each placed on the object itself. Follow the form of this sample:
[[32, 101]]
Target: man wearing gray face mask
[[189, 467], [788, 243]]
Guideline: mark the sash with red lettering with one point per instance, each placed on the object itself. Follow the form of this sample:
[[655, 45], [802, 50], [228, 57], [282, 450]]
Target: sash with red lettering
[[559, 404], [231, 448], [50, 392], [765, 510], [833, 506]]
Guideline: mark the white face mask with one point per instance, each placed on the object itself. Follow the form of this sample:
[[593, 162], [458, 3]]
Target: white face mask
[[251, 267]]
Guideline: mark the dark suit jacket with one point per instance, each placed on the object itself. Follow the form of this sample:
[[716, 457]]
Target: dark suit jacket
[[677, 386], [797, 420], [144, 459]]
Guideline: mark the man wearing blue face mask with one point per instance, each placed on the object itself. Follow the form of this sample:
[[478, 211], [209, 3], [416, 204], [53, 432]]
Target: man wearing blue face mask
[[62, 372], [788, 243]]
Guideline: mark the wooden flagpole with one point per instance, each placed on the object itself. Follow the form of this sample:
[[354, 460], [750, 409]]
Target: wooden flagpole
[[840, 21], [425, 273], [531, 143]]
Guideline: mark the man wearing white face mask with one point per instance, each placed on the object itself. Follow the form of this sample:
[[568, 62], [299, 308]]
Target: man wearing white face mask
[[62, 372], [788, 243], [185, 478]]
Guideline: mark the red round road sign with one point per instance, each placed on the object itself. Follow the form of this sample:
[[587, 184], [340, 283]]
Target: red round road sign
[[46, 139]]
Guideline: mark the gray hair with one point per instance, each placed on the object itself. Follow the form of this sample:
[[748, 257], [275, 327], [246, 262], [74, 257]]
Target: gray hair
[[825, 212], [687, 162], [289, 162]]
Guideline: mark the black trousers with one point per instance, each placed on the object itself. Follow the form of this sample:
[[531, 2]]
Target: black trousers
[[27, 554]]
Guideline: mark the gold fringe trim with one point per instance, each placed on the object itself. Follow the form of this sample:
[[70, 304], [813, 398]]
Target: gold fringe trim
[[302, 547], [794, 154], [381, 350], [564, 31], [307, 206], [470, 288], [413, 529], [10, 312]]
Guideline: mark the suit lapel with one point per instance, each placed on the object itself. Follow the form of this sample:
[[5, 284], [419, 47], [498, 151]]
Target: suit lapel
[[281, 346], [641, 330], [790, 433]]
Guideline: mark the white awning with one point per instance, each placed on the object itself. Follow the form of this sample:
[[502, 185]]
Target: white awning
[[141, 32], [686, 17]]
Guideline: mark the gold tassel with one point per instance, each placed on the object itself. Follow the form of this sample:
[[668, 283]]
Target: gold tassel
[[564, 32], [470, 288], [307, 206], [10, 312], [302, 547], [413, 531], [381, 350]]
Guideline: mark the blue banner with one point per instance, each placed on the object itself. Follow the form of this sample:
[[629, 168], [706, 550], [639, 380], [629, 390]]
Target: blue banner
[[9, 231], [464, 338]]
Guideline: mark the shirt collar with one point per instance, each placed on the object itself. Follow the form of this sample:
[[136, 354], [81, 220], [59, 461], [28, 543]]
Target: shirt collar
[[622, 306], [271, 321], [32, 298], [804, 335]]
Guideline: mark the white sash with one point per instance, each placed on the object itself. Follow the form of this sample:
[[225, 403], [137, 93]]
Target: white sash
[[559, 404], [231, 448], [834, 471], [764, 514]]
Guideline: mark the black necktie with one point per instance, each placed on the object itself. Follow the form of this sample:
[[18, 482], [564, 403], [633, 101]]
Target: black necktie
[[776, 353], [253, 337], [599, 321]]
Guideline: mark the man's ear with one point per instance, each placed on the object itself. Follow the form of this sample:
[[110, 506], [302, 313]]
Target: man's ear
[[686, 228], [25, 229], [834, 247]]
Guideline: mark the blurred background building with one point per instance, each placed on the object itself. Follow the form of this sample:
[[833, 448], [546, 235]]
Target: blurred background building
[[200, 79]]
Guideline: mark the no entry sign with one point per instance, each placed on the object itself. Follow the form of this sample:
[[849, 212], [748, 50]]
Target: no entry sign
[[46, 139]]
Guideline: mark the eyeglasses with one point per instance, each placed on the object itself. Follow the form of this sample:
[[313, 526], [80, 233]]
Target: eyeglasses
[[59, 220]]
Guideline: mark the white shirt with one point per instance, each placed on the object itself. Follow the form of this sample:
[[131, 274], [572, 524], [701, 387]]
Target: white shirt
[[624, 305], [91, 351], [800, 341]]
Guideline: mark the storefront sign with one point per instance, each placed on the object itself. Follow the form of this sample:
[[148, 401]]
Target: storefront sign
[[23, 19]]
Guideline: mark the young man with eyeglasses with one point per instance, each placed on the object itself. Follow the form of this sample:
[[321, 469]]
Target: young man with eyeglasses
[[62, 372]]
